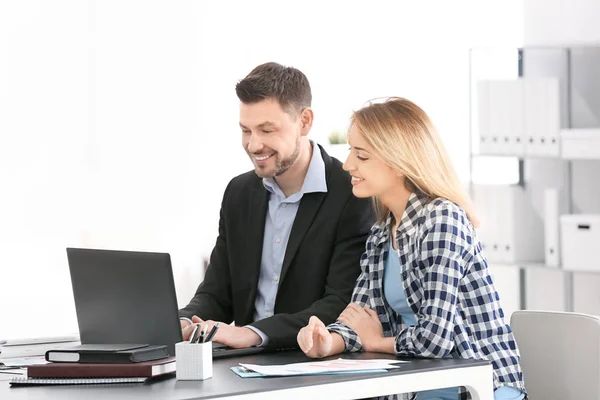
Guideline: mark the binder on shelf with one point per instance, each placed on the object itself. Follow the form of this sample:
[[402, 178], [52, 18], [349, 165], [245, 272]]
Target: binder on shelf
[[512, 231], [552, 211], [507, 203], [553, 120], [542, 110], [515, 127], [485, 231], [501, 117], [484, 117], [500, 121]]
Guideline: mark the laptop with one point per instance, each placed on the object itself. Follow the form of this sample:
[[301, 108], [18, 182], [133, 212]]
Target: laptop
[[125, 297]]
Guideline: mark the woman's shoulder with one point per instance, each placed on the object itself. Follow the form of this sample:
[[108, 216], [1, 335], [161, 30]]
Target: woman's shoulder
[[441, 212], [440, 205]]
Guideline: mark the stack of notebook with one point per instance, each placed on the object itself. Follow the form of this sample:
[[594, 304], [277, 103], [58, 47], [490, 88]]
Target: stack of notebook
[[99, 364]]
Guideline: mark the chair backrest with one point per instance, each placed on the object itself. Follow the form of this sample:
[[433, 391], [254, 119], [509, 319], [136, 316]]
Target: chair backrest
[[560, 354]]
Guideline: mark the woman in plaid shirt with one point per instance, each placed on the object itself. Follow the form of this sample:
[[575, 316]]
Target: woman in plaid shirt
[[425, 289]]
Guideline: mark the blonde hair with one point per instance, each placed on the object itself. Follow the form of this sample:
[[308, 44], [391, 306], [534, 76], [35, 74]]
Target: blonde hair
[[402, 135]]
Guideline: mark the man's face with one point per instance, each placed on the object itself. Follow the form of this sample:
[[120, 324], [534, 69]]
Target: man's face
[[270, 136]]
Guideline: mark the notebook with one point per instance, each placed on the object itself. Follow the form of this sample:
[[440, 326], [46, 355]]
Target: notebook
[[77, 370], [108, 354], [87, 381]]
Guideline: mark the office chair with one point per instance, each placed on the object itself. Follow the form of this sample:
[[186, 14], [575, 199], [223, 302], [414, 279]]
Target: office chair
[[560, 354]]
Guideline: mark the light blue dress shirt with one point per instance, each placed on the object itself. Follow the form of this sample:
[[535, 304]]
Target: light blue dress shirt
[[396, 297], [278, 226]]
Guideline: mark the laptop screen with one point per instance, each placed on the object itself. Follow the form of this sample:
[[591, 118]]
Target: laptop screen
[[124, 297]]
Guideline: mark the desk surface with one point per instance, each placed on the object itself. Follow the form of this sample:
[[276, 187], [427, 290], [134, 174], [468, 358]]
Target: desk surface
[[224, 382]]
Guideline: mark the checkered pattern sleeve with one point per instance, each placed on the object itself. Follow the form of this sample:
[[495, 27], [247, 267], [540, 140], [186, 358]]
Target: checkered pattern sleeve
[[444, 251], [360, 295]]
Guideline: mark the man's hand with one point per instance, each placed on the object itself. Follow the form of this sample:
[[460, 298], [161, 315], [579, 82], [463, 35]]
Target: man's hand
[[314, 339], [187, 329], [232, 336], [365, 322]]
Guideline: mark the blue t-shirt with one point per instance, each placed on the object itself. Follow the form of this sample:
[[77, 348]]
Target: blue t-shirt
[[393, 290]]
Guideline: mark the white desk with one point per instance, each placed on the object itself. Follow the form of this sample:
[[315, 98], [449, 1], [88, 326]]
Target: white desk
[[415, 376]]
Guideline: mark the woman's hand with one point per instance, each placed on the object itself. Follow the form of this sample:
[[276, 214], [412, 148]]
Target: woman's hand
[[365, 322], [314, 339]]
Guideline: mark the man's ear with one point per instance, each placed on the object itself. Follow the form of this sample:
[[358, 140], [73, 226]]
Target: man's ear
[[306, 120]]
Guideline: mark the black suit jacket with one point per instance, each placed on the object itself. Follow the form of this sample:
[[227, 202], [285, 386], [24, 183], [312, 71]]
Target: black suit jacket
[[321, 262]]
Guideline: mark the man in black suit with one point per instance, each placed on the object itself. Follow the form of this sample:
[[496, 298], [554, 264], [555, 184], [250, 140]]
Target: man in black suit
[[291, 233]]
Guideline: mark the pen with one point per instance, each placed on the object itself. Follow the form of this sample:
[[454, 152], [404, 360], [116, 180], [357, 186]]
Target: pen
[[202, 335], [212, 333], [194, 332]]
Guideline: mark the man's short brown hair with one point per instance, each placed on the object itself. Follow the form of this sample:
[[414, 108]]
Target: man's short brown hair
[[288, 85]]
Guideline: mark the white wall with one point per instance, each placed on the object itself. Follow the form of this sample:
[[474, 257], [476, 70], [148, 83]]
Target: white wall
[[561, 22], [98, 149], [118, 119]]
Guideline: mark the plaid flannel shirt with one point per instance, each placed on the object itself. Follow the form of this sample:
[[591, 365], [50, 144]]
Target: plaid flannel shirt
[[448, 286]]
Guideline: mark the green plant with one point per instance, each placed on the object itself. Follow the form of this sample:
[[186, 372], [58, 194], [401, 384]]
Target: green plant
[[337, 137]]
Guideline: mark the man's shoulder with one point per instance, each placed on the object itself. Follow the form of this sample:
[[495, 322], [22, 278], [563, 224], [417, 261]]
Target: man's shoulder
[[242, 186], [246, 180]]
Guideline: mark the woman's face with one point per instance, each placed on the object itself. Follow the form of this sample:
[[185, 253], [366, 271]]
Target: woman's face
[[370, 175]]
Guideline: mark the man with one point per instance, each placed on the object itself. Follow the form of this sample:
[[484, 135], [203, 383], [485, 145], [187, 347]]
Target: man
[[290, 232]]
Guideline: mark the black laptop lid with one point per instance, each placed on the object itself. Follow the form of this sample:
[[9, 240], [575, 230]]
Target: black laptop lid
[[124, 297]]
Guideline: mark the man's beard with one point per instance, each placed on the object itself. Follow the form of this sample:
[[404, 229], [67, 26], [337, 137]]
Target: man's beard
[[281, 166]]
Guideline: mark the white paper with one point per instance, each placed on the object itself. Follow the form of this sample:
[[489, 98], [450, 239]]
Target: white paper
[[23, 362], [316, 367], [39, 340]]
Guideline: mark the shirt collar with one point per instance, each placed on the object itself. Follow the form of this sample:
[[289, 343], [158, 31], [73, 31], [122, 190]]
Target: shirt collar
[[409, 222], [314, 181]]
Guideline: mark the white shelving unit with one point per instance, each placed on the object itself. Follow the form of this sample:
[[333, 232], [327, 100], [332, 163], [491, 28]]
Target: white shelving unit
[[580, 144], [544, 112]]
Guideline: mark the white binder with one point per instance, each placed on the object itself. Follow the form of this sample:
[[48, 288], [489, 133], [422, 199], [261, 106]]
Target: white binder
[[542, 117], [485, 232], [483, 117], [515, 128], [552, 211], [511, 230], [501, 117]]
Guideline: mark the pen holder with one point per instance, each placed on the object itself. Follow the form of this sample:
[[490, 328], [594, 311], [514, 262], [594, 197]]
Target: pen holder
[[194, 361]]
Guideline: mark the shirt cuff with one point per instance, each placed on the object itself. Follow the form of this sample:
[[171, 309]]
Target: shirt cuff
[[186, 319], [264, 338]]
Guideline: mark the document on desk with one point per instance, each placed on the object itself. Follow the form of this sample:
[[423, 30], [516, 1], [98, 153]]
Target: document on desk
[[339, 366], [22, 361]]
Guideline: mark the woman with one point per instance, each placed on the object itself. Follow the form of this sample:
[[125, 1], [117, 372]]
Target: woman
[[425, 289]]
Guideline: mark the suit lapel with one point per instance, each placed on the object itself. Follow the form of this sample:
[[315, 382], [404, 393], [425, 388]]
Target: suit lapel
[[309, 206], [255, 231], [307, 211]]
